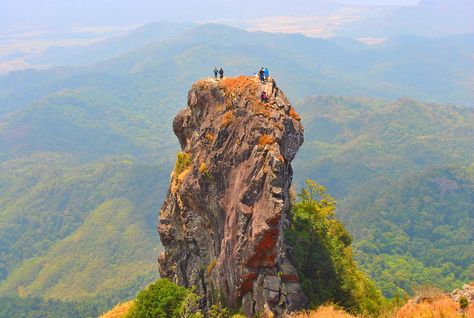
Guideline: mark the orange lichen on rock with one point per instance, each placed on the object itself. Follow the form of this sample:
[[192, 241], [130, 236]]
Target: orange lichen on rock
[[203, 167], [210, 137], [227, 119], [266, 140], [294, 114]]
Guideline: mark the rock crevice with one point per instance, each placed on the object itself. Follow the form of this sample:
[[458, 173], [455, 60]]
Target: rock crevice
[[222, 223]]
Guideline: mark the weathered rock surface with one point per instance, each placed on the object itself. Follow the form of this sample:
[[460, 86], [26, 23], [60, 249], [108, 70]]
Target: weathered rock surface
[[223, 219], [467, 291]]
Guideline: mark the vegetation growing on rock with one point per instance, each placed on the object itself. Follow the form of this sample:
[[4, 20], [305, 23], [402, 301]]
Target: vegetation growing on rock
[[321, 252]]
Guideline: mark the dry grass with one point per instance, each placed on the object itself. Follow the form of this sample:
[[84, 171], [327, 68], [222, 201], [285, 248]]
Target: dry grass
[[119, 311], [243, 87], [428, 292], [262, 109], [239, 85], [203, 84], [227, 119], [294, 114], [324, 312], [438, 308], [266, 140]]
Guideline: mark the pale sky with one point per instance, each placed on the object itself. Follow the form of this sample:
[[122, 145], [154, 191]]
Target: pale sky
[[66, 13]]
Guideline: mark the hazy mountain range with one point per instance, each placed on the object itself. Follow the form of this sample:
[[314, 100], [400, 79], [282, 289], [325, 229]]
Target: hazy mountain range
[[40, 34], [86, 151]]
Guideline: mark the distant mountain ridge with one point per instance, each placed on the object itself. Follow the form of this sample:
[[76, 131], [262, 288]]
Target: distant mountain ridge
[[97, 134]]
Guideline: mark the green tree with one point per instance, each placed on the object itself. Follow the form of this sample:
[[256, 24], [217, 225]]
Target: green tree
[[322, 255], [160, 299]]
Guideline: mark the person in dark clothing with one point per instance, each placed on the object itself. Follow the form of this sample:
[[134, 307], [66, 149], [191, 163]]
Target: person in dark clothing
[[221, 73], [264, 97], [261, 74], [215, 72]]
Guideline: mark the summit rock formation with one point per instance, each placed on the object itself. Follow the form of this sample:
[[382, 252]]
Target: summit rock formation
[[222, 222]]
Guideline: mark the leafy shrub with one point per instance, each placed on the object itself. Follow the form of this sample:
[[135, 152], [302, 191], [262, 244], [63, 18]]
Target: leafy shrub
[[463, 303], [183, 161], [160, 299], [323, 257], [190, 307], [218, 312]]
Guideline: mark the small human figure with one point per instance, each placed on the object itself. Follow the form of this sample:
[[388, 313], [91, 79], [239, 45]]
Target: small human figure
[[261, 74], [216, 71], [266, 73], [221, 73], [264, 97]]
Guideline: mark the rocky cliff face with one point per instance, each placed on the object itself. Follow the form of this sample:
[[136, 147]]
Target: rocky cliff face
[[223, 219]]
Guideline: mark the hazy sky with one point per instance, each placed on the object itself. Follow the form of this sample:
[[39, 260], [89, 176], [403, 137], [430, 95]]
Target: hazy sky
[[17, 13], [381, 2]]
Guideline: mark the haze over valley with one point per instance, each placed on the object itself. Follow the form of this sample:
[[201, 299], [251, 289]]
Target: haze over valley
[[89, 91]]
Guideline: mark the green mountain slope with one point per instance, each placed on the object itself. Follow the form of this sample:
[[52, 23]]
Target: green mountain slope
[[433, 69], [69, 138], [139, 93], [350, 140], [419, 229], [398, 172], [71, 230]]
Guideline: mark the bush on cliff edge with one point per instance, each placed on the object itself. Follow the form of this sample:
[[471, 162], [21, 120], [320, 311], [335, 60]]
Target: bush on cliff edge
[[322, 254], [160, 299]]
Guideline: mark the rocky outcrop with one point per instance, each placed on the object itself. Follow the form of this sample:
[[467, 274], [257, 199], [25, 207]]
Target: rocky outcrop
[[467, 291], [223, 220]]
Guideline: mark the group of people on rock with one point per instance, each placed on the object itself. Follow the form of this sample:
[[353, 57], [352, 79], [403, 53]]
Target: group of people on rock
[[263, 74], [218, 72]]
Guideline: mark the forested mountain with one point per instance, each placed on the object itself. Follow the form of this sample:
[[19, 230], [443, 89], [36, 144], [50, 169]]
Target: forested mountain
[[139, 93], [403, 176], [71, 230], [109, 47], [85, 155]]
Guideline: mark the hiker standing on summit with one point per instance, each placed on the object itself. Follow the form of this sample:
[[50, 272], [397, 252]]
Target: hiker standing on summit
[[215, 72], [261, 74], [221, 73], [266, 73]]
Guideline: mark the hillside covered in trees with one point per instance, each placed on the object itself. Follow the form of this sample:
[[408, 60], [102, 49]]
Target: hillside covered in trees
[[86, 153]]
